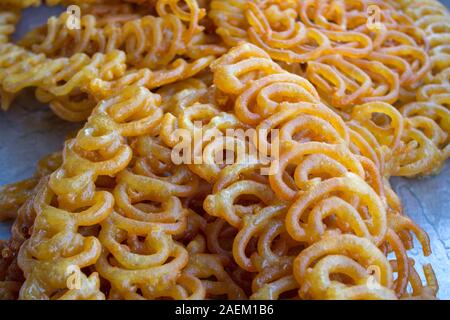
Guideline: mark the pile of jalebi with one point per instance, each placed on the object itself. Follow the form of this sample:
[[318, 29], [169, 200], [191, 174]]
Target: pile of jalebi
[[157, 50], [351, 61], [313, 104]]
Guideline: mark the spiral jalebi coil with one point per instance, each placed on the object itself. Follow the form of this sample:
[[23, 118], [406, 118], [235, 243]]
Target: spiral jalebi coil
[[21, 4], [377, 131], [352, 81], [156, 62], [429, 115], [178, 96], [271, 257], [11, 276], [209, 269], [398, 45], [148, 266]]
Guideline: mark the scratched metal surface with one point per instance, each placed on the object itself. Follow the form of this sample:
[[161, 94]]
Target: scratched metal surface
[[30, 131]]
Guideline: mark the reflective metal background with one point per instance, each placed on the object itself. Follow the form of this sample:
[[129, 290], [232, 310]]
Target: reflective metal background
[[30, 131]]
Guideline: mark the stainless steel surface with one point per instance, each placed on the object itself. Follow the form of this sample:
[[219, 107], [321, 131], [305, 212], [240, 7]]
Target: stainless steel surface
[[30, 130]]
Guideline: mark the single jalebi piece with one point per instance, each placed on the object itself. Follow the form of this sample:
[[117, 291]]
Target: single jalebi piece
[[240, 66], [301, 122], [147, 198], [428, 115], [273, 27], [57, 77], [271, 85], [275, 282], [262, 97], [178, 96], [230, 21], [422, 156], [410, 143], [8, 20], [228, 205], [206, 146], [154, 161], [132, 205], [398, 45]]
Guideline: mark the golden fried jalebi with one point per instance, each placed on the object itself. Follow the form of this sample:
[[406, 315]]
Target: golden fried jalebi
[[260, 171], [351, 62], [64, 82], [73, 184], [59, 77], [148, 266], [350, 81], [8, 20], [345, 255], [159, 62], [14, 195], [140, 37], [11, 276], [21, 3], [428, 116], [303, 31], [316, 170]]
